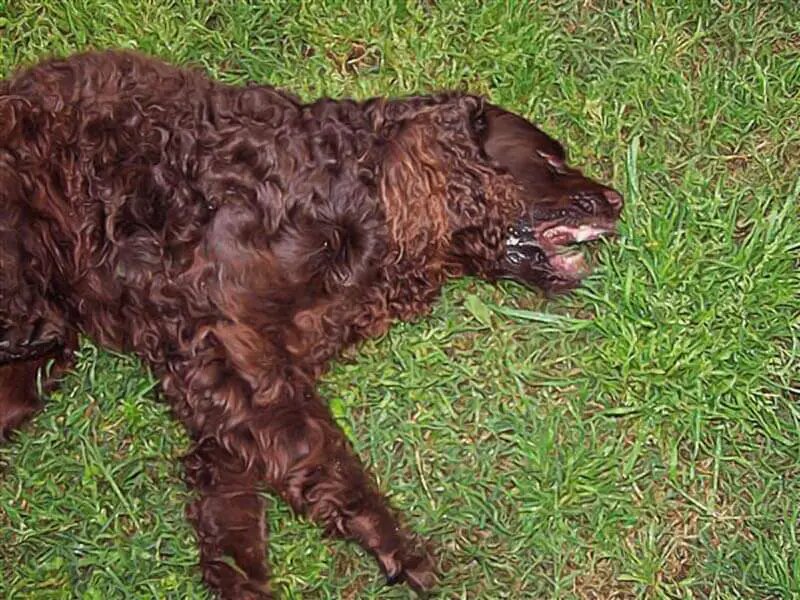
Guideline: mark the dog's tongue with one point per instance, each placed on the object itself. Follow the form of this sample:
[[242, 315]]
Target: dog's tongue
[[537, 246], [572, 264]]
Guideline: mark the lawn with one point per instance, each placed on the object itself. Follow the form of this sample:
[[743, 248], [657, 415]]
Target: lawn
[[639, 438]]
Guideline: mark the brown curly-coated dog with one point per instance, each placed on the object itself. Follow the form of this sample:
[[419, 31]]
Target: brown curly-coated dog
[[236, 240]]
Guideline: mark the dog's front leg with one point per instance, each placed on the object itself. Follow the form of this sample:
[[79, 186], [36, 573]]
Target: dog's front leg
[[285, 438], [228, 513], [228, 516], [309, 463]]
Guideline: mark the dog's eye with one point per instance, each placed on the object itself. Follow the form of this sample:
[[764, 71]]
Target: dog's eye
[[554, 162]]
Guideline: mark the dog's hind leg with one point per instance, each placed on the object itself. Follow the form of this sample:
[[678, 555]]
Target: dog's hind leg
[[34, 338], [33, 331], [19, 399], [32, 323], [21, 383]]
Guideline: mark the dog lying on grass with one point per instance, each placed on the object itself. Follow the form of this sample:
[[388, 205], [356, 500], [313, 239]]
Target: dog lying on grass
[[236, 240]]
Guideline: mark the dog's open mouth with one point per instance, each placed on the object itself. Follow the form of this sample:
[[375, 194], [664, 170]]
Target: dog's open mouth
[[547, 252], [561, 235]]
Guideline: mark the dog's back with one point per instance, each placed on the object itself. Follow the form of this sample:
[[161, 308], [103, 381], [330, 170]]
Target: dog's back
[[111, 166]]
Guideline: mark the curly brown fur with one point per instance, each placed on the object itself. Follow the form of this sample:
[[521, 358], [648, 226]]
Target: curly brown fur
[[237, 240]]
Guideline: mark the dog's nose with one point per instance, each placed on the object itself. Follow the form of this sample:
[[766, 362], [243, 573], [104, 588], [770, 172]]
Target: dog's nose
[[613, 198]]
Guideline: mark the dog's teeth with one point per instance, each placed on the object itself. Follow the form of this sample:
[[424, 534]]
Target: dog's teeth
[[556, 232], [586, 233]]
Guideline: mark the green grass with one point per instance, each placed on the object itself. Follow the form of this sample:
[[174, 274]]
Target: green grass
[[639, 438]]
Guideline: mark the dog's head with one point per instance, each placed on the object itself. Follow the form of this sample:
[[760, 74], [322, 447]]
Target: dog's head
[[562, 206], [491, 194]]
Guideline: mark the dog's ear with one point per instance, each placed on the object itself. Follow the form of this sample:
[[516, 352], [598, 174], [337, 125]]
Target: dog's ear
[[438, 183], [413, 185], [431, 172]]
